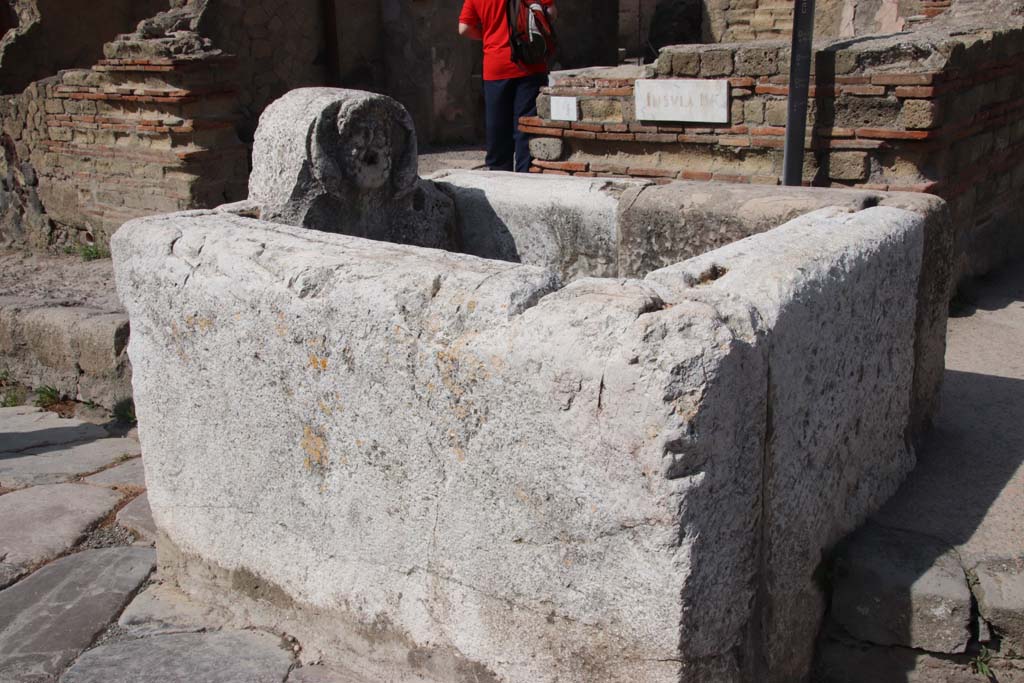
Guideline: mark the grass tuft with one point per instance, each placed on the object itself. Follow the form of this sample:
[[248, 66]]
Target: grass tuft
[[47, 397], [13, 398], [124, 411], [88, 252]]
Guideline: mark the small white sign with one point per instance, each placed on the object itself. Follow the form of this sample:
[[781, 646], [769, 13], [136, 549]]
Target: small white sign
[[565, 109], [682, 99]]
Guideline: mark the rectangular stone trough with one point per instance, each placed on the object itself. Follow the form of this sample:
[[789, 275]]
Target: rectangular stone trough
[[432, 466]]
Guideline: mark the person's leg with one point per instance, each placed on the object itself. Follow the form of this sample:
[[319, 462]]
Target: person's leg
[[499, 98], [527, 90]]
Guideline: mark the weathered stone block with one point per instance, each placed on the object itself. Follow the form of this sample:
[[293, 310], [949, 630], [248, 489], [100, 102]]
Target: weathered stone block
[[716, 63], [569, 224], [776, 112], [1000, 593], [753, 111], [848, 165], [601, 109], [757, 61], [814, 494], [919, 114], [546, 149], [518, 393], [78, 350], [899, 588], [685, 63]]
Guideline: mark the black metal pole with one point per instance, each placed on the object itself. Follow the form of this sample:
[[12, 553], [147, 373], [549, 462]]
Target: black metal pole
[[799, 87]]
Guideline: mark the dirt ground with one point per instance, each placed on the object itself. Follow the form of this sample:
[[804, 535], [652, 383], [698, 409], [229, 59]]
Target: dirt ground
[[58, 279]]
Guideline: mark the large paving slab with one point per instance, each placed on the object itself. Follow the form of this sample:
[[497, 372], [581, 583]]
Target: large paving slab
[[162, 609], [137, 517], [43, 522], [976, 454], [131, 474], [51, 616], [24, 430], [54, 465], [321, 674], [224, 657]]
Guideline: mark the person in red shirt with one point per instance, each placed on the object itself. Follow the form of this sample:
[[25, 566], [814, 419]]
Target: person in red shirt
[[510, 89]]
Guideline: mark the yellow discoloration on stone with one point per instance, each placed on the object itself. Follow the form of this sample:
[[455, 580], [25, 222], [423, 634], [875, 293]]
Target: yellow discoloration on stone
[[471, 306], [317, 362], [194, 322], [521, 495], [326, 409], [314, 443]]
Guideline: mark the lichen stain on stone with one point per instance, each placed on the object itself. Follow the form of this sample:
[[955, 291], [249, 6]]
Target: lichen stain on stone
[[314, 443], [279, 327], [194, 322]]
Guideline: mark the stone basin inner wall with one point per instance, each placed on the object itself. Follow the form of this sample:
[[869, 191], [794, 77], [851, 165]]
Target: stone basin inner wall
[[937, 110], [461, 468]]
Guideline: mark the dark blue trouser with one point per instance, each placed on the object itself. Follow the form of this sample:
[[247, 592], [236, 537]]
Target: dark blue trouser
[[505, 102]]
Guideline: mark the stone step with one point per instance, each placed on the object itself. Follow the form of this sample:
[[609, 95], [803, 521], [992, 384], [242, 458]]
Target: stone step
[[80, 351], [50, 617]]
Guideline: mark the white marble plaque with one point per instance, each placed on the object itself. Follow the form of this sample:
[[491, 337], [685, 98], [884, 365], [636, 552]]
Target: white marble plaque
[[564, 109], [682, 99]]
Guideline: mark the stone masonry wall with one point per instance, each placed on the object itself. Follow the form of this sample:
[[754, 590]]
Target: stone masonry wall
[[279, 46], [930, 115], [146, 130], [50, 35]]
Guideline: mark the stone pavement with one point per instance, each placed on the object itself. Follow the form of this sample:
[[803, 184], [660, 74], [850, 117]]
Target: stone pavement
[[932, 588], [78, 603]]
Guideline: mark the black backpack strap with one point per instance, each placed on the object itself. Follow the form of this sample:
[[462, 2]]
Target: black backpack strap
[[513, 10]]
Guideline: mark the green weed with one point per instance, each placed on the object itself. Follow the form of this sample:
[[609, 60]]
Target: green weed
[[12, 398], [982, 663], [88, 252], [124, 411], [92, 252], [47, 396]]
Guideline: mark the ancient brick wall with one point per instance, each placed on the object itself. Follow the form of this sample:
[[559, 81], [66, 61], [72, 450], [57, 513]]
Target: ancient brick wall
[[150, 129], [50, 35], [883, 116]]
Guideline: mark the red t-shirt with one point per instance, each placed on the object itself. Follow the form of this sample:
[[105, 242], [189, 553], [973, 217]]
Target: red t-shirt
[[490, 16]]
